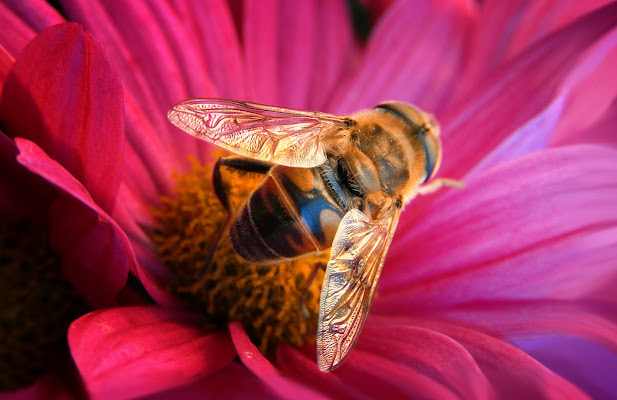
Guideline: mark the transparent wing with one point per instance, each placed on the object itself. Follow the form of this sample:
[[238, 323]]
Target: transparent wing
[[280, 135], [356, 259]]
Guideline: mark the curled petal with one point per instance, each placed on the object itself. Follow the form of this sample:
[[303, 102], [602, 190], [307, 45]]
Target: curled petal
[[22, 194], [512, 373], [260, 366], [96, 252], [63, 94], [128, 352], [398, 361]]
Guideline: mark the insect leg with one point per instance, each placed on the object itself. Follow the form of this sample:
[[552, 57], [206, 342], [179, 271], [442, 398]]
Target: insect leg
[[309, 280], [225, 170], [438, 183]]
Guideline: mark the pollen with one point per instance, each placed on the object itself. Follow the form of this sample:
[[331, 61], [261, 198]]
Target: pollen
[[273, 302], [37, 305]]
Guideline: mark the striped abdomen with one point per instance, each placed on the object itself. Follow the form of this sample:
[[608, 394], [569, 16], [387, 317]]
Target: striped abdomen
[[290, 214]]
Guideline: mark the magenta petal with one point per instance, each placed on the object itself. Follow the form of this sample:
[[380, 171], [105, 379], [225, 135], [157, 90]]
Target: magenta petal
[[217, 46], [296, 53], [489, 113], [519, 320], [15, 32], [96, 252], [135, 351], [63, 94], [334, 63], [261, 33], [260, 366], [502, 236], [506, 28], [21, 20], [397, 361], [435, 361], [591, 92], [37, 14], [414, 54], [134, 34], [512, 373], [588, 365]]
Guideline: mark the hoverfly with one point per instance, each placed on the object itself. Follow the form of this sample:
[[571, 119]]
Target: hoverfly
[[329, 182]]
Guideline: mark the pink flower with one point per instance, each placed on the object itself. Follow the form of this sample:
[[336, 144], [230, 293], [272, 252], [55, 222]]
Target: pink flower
[[500, 290]]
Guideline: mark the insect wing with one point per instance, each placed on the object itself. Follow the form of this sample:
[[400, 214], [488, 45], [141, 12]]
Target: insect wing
[[356, 259], [280, 135]]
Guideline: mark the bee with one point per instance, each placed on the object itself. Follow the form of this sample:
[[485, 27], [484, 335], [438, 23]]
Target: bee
[[330, 181]]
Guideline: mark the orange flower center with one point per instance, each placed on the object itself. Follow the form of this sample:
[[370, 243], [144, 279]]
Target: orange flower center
[[267, 300], [37, 305]]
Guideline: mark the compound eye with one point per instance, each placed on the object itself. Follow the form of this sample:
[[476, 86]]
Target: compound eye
[[432, 149]]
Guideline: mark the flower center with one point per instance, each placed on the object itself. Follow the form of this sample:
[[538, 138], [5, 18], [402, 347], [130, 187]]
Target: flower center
[[273, 302], [37, 305]]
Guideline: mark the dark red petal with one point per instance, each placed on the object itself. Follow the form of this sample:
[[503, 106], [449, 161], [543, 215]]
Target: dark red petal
[[63, 94], [232, 382], [6, 62], [376, 8], [47, 387], [96, 252], [22, 194], [260, 366], [135, 351]]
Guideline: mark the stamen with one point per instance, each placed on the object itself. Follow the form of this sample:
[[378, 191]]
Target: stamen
[[37, 305], [267, 300]]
